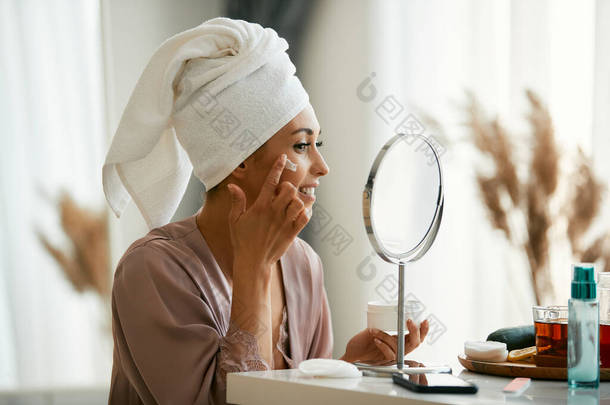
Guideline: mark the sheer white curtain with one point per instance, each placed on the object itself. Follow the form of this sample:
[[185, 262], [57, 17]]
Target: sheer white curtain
[[52, 138], [425, 54]]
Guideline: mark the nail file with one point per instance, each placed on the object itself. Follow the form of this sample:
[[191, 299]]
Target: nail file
[[517, 386], [290, 165]]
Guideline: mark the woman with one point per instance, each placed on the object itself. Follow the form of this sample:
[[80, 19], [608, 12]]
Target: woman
[[231, 288]]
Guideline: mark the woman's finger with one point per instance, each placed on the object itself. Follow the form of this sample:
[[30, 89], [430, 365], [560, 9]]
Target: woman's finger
[[294, 208], [387, 339], [412, 327], [423, 330], [238, 202], [286, 192], [384, 348], [384, 362], [273, 178], [423, 380], [299, 223], [412, 340]]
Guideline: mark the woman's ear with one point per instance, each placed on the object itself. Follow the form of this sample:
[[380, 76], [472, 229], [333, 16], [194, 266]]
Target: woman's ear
[[248, 165], [240, 171]]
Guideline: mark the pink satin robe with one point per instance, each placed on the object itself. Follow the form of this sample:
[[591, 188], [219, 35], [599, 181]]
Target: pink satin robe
[[170, 319]]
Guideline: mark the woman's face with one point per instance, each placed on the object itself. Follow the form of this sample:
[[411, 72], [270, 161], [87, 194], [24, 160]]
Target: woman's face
[[299, 141]]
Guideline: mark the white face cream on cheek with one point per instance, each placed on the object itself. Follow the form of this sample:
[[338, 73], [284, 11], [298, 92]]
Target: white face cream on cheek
[[291, 166]]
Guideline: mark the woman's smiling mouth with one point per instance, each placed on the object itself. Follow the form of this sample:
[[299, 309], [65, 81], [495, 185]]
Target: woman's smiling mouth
[[307, 193]]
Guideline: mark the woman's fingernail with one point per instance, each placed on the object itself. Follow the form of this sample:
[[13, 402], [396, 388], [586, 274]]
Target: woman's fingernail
[[377, 340]]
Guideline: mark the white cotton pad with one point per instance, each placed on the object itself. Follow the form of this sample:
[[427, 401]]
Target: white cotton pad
[[329, 368], [486, 351], [290, 165]]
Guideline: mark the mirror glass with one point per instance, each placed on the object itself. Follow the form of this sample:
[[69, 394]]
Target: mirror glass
[[405, 197]]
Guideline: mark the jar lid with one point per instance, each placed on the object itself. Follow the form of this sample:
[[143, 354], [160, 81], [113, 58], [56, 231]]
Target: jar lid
[[411, 306]]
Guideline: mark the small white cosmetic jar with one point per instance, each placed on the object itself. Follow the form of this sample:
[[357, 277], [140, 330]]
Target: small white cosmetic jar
[[384, 315]]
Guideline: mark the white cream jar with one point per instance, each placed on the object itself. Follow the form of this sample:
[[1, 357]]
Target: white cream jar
[[383, 315]]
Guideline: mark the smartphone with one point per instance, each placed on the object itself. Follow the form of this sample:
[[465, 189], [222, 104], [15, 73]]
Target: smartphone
[[434, 383]]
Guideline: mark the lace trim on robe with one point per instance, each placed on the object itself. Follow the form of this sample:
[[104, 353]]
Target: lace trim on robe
[[283, 345], [239, 351]]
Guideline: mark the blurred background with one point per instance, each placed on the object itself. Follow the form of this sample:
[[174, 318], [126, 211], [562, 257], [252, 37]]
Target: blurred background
[[515, 94]]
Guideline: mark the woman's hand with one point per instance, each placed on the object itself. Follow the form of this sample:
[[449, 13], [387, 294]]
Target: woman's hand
[[375, 347], [261, 234]]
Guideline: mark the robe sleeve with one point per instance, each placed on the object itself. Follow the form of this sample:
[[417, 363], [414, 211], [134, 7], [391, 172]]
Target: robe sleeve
[[322, 344], [168, 342]]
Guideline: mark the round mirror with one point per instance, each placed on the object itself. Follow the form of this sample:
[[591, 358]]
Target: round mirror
[[403, 199], [402, 207]]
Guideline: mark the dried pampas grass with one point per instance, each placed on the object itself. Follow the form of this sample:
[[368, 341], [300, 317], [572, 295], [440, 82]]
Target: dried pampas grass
[[86, 264], [530, 197], [584, 205]]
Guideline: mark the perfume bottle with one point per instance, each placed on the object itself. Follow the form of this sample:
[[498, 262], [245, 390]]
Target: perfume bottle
[[583, 329]]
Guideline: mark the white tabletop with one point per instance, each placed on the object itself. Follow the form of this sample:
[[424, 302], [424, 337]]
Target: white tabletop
[[291, 387]]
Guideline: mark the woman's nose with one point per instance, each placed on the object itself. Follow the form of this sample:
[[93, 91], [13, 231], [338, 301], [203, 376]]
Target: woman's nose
[[320, 168]]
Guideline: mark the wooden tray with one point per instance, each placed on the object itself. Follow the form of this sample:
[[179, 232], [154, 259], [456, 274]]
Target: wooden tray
[[508, 369]]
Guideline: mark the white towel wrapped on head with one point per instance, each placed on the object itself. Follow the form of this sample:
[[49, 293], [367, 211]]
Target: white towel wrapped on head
[[209, 97]]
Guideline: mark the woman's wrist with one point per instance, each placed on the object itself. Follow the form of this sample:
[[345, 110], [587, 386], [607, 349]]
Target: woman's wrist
[[252, 273]]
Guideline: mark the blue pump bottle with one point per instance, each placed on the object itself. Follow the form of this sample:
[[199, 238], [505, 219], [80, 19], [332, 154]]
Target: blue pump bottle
[[583, 329]]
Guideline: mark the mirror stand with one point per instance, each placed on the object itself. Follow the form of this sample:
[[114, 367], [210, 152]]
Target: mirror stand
[[400, 352], [400, 337]]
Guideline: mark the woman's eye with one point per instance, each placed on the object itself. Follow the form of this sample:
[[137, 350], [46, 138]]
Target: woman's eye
[[302, 146], [305, 145]]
